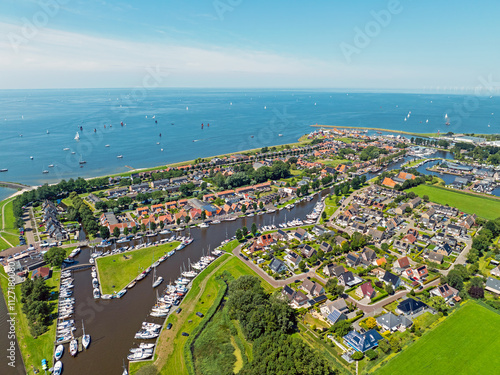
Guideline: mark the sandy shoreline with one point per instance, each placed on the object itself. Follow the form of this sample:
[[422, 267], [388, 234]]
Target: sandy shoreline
[[376, 129]]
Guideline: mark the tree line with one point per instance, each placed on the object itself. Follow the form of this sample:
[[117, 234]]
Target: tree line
[[35, 295], [268, 321]]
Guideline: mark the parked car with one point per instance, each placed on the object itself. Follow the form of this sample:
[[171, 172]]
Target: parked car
[[185, 334], [178, 311], [199, 314], [169, 325]]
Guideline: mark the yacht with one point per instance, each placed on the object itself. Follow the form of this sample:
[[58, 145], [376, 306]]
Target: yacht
[[66, 149], [121, 293], [51, 165], [139, 355], [77, 136], [120, 156], [106, 146]]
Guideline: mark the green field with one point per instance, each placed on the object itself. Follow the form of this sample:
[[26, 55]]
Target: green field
[[465, 343], [117, 271], [33, 350], [8, 229], [485, 207]]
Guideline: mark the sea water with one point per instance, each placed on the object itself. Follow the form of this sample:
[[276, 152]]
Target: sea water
[[42, 123]]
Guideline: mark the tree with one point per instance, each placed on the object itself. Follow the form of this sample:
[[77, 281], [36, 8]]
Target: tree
[[143, 227], [239, 234], [302, 266], [357, 356], [187, 218], [341, 328], [395, 344], [384, 346], [389, 288], [476, 292], [203, 215], [261, 205], [55, 256], [254, 205], [243, 208], [455, 279], [116, 232], [254, 229], [152, 226], [104, 232], [384, 246], [323, 215], [425, 198], [134, 229], [371, 322], [125, 231], [371, 354]]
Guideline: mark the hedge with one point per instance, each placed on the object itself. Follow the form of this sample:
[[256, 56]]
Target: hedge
[[379, 297]]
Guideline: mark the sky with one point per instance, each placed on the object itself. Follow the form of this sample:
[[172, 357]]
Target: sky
[[407, 45]]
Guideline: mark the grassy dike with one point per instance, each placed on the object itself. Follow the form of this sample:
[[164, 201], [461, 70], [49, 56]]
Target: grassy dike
[[33, 350]]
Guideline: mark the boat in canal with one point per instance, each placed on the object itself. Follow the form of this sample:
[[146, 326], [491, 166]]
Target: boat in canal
[[57, 368], [73, 347], [85, 338], [59, 352]]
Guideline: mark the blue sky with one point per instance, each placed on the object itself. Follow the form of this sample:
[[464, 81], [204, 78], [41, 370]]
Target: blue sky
[[424, 46]]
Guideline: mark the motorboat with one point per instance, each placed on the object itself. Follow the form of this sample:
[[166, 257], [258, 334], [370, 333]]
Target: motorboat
[[73, 347], [58, 368], [144, 345], [121, 293], [142, 354], [59, 352]]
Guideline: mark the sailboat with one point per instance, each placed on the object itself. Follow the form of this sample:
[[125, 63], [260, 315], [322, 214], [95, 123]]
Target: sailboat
[[85, 338], [125, 371], [158, 281], [447, 121], [82, 161], [77, 136]]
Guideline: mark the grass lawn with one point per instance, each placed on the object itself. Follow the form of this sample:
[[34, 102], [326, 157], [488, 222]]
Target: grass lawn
[[465, 343], [3, 245], [12, 238], [129, 264], [33, 350], [230, 246], [488, 208], [10, 221]]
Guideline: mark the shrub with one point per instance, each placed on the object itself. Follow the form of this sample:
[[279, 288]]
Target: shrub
[[357, 356], [371, 354]]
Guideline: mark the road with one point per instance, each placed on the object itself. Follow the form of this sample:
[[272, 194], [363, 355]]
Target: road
[[367, 309]]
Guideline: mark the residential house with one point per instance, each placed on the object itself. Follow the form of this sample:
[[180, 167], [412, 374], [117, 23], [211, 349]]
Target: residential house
[[335, 316], [368, 256], [332, 270], [390, 278], [308, 251], [319, 230], [445, 291], [362, 342], [288, 293], [389, 182], [376, 234], [352, 259], [339, 304], [419, 273], [415, 202], [401, 209], [444, 249], [403, 263], [43, 272], [277, 265], [298, 234], [496, 271], [299, 298], [293, 259], [454, 229], [348, 279], [313, 289], [435, 257], [469, 221], [492, 285], [365, 290], [390, 322], [325, 247], [411, 306]]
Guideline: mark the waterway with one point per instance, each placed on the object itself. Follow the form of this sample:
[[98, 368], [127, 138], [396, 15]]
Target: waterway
[[5, 345]]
